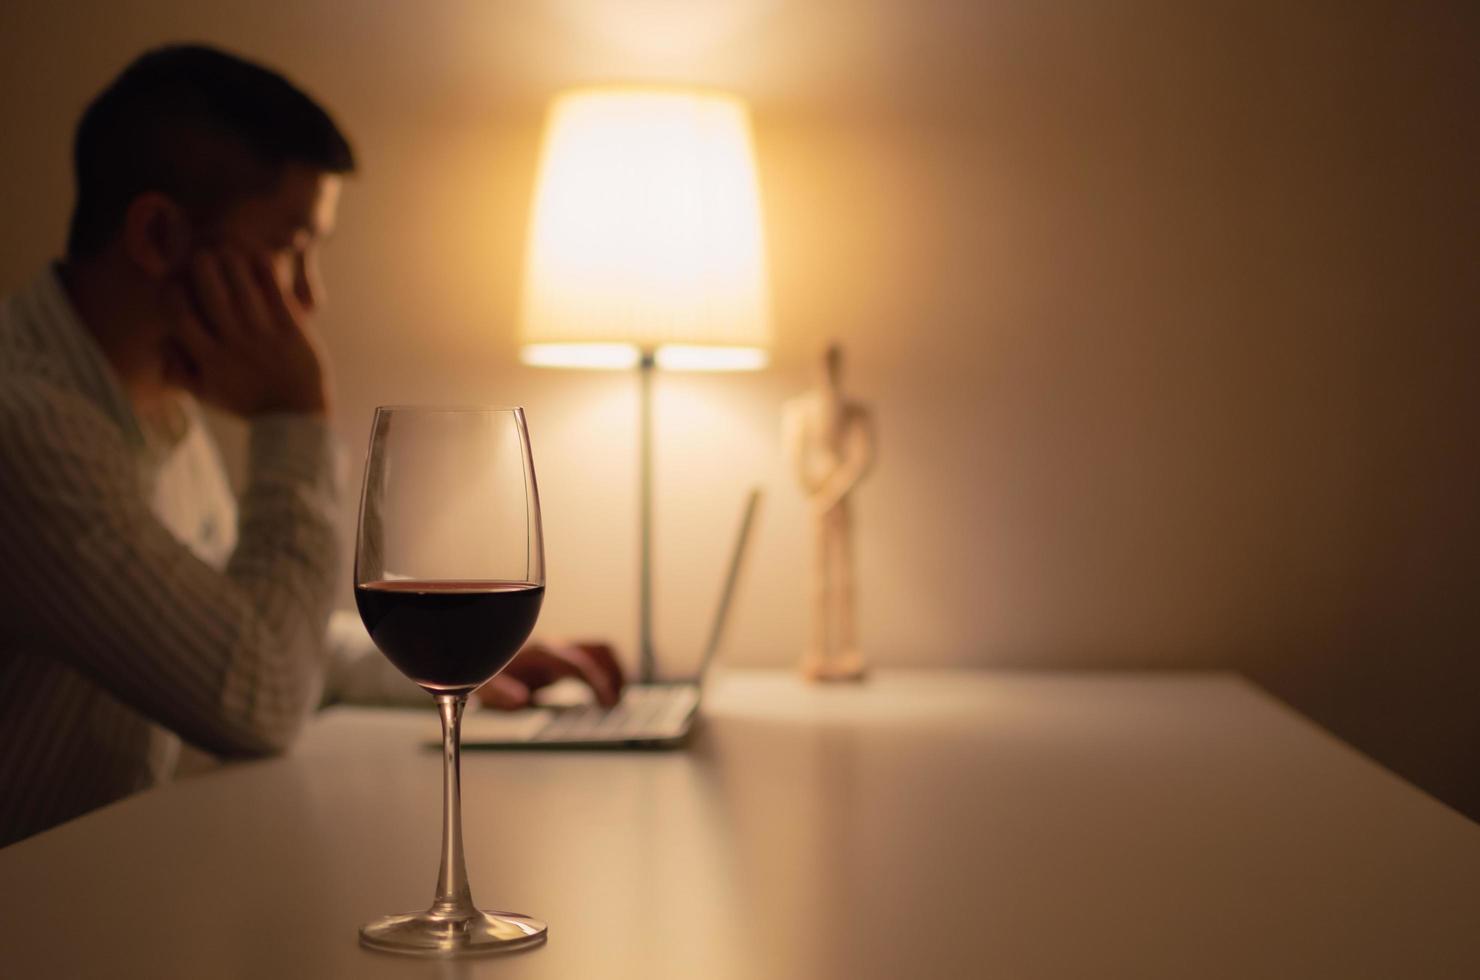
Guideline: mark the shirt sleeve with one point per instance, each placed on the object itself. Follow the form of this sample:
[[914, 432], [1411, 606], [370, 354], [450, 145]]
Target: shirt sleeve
[[360, 674], [231, 661]]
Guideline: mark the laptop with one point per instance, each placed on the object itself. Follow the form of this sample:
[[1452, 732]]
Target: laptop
[[657, 715]]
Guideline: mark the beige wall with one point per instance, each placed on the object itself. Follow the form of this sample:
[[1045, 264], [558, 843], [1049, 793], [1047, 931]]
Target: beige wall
[[1168, 314]]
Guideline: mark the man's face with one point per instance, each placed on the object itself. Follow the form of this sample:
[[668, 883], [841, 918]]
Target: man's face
[[289, 222]]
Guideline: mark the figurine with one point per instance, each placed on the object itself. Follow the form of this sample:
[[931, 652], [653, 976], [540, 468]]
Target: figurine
[[830, 445]]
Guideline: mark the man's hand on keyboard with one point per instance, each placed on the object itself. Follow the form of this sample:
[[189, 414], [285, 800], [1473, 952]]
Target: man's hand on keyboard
[[542, 663]]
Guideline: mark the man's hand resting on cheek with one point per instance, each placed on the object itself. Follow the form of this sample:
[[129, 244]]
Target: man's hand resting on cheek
[[542, 664], [241, 342]]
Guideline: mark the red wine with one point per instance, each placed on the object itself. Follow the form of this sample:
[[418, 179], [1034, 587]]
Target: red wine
[[449, 637]]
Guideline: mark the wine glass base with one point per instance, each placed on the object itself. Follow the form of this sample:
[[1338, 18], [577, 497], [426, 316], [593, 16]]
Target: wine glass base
[[432, 934]]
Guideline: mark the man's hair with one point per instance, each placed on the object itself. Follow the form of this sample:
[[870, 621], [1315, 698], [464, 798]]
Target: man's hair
[[204, 127]]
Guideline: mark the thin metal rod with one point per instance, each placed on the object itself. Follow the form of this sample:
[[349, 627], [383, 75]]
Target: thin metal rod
[[647, 662]]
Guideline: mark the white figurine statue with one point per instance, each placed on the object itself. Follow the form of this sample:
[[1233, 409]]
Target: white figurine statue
[[830, 444]]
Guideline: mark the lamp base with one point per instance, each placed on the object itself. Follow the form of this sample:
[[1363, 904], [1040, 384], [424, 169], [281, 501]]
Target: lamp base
[[846, 666]]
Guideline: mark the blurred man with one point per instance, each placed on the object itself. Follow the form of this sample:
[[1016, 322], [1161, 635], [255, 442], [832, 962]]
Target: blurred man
[[139, 602]]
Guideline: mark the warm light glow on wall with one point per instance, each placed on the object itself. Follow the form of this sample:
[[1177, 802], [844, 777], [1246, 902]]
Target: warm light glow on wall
[[646, 234]]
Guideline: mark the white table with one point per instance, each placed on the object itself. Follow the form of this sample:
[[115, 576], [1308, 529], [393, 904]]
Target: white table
[[944, 824]]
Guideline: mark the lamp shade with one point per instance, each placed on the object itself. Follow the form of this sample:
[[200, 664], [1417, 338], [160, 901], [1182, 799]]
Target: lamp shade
[[645, 237]]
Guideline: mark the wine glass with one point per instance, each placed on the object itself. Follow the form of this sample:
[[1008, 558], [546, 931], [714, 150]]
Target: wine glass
[[449, 578]]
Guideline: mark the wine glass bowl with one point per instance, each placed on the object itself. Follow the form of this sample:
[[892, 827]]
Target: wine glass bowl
[[449, 637], [449, 579]]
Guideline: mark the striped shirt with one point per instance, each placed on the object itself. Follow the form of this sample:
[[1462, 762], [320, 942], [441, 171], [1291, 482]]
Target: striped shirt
[[139, 603]]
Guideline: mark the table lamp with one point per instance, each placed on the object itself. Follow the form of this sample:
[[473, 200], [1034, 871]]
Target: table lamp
[[646, 252]]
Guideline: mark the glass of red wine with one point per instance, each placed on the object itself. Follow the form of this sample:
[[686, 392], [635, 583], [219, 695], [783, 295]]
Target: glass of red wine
[[449, 578]]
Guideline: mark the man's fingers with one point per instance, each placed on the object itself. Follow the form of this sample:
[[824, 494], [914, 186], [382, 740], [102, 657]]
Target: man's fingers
[[504, 692], [214, 296], [281, 313], [251, 303], [606, 659], [603, 682], [542, 664]]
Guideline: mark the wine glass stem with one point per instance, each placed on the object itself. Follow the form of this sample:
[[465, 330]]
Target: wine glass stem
[[454, 898]]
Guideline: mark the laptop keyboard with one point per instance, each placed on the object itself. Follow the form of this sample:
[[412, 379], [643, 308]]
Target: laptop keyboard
[[643, 712]]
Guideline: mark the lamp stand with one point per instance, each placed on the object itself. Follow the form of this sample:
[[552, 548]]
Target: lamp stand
[[647, 663]]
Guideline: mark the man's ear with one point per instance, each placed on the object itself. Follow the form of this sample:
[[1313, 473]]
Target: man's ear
[[156, 234]]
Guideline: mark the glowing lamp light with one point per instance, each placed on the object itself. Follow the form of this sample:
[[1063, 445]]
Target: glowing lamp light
[[692, 357], [593, 357], [646, 232]]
